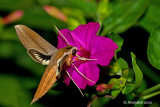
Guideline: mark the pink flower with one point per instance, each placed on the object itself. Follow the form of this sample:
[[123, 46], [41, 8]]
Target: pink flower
[[90, 46]]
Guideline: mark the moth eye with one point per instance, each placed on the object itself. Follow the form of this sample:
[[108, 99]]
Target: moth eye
[[69, 47], [73, 51]]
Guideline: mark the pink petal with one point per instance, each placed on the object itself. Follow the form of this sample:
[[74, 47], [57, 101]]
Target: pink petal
[[92, 72], [85, 34], [82, 36], [61, 41], [103, 49], [89, 69]]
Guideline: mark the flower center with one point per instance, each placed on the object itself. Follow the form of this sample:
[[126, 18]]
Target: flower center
[[84, 53]]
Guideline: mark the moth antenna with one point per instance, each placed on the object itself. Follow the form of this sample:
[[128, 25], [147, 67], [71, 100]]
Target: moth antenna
[[81, 73], [62, 35], [75, 83]]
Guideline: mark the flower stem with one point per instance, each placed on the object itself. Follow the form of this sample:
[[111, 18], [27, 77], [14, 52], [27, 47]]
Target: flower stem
[[148, 91], [146, 94], [151, 95], [99, 31]]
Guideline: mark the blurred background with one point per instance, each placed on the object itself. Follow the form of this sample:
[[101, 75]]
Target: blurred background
[[133, 20]]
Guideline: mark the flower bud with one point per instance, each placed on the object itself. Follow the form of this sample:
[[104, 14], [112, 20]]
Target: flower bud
[[55, 12], [118, 84], [104, 87], [12, 17], [114, 68], [128, 74]]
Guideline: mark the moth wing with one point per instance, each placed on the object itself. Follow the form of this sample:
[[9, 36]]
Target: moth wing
[[48, 79], [39, 57], [31, 40]]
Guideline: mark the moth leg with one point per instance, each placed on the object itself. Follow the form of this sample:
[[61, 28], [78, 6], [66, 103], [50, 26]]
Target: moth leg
[[81, 73], [75, 83], [84, 59], [68, 60]]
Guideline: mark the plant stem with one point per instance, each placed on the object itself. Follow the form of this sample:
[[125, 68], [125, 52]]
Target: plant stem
[[148, 91], [151, 95], [148, 71], [99, 31]]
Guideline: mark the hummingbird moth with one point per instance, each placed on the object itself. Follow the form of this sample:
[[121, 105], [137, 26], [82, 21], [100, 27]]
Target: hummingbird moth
[[43, 52]]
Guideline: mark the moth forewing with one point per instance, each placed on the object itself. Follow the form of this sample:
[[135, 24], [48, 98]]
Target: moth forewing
[[31, 40]]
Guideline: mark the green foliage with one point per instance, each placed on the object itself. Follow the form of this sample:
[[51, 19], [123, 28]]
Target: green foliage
[[152, 16], [103, 10], [125, 83], [14, 93], [128, 74], [117, 39], [148, 71], [153, 49], [124, 15], [100, 102], [123, 64], [8, 5], [118, 85], [128, 88], [115, 18], [138, 72], [115, 93]]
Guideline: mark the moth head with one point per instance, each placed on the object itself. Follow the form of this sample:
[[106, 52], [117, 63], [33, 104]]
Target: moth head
[[72, 49]]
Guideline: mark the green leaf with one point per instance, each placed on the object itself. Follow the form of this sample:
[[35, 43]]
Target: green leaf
[[88, 7], [100, 102], [143, 86], [37, 18], [115, 93], [137, 71], [76, 17], [123, 64], [128, 88], [118, 84], [8, 34], [117, 39], [6, 49], [103, 10], [13, 94], [151, 18], [153, 49], [124, 15], [15, 4]]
